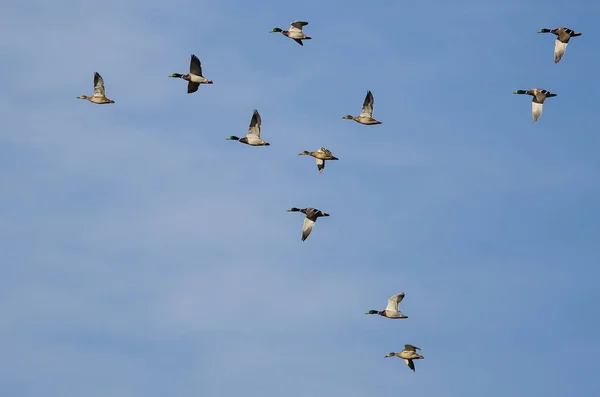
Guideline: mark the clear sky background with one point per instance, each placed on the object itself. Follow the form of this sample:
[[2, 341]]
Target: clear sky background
[[142, 254]]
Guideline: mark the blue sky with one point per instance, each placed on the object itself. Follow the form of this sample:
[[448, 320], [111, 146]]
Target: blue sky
[[145, 255]]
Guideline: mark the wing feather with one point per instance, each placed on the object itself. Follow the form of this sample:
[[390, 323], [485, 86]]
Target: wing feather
[[411, 348], [367, 107], [559, 50], [325, 151], [394, 301], [98, 85], [192, 87], [320, 165], [195, 66], [255, 124], [307, 228], [536, 110], [297, 25]]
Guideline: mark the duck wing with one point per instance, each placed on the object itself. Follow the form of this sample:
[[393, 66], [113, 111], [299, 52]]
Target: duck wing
[[536, 110], [411, 348], [296, 26], [367, 107], [195, 66], [559, 50], [307, 227], [98, 85], [320, 165], [394, 301], [255, 123], [192, 87]]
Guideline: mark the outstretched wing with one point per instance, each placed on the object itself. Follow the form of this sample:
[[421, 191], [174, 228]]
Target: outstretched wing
[[367, 107], [411, 348], [192, 87], [394, 301], [195, 66], [536, 110], [307, 228], [410, 364], [320, 165], [299, 42], [297, 26], [559, 50], [324, 151], [98, 85], [255, 123]]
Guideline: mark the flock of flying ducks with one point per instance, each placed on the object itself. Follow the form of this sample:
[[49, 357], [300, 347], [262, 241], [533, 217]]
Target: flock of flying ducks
[[253, 138]]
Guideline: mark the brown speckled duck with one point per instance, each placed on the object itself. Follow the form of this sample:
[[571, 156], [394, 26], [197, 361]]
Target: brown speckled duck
[[366, 114], [321, 155], [408, 355], [99, 96]]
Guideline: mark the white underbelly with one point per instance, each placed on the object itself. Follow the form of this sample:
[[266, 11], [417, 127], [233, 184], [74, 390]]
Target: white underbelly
[[197, 79]]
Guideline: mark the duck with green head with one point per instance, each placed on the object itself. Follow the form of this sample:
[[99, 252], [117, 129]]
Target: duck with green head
[[563, 35], [312, 214], [194, 77], [253, 137], [392, 309], [321, 155], [539, 96], [294, 32]]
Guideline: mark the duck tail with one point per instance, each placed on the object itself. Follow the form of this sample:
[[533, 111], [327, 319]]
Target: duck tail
[[308, 38]]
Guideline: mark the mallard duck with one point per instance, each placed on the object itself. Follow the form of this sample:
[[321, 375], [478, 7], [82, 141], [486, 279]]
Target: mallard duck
[[391, 311], [311, 217], [321, 155], [99, 96], [539, 96], [194, 77], [562, 39], [294, 32], [366, 115], [253, 137], [408, 355]]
